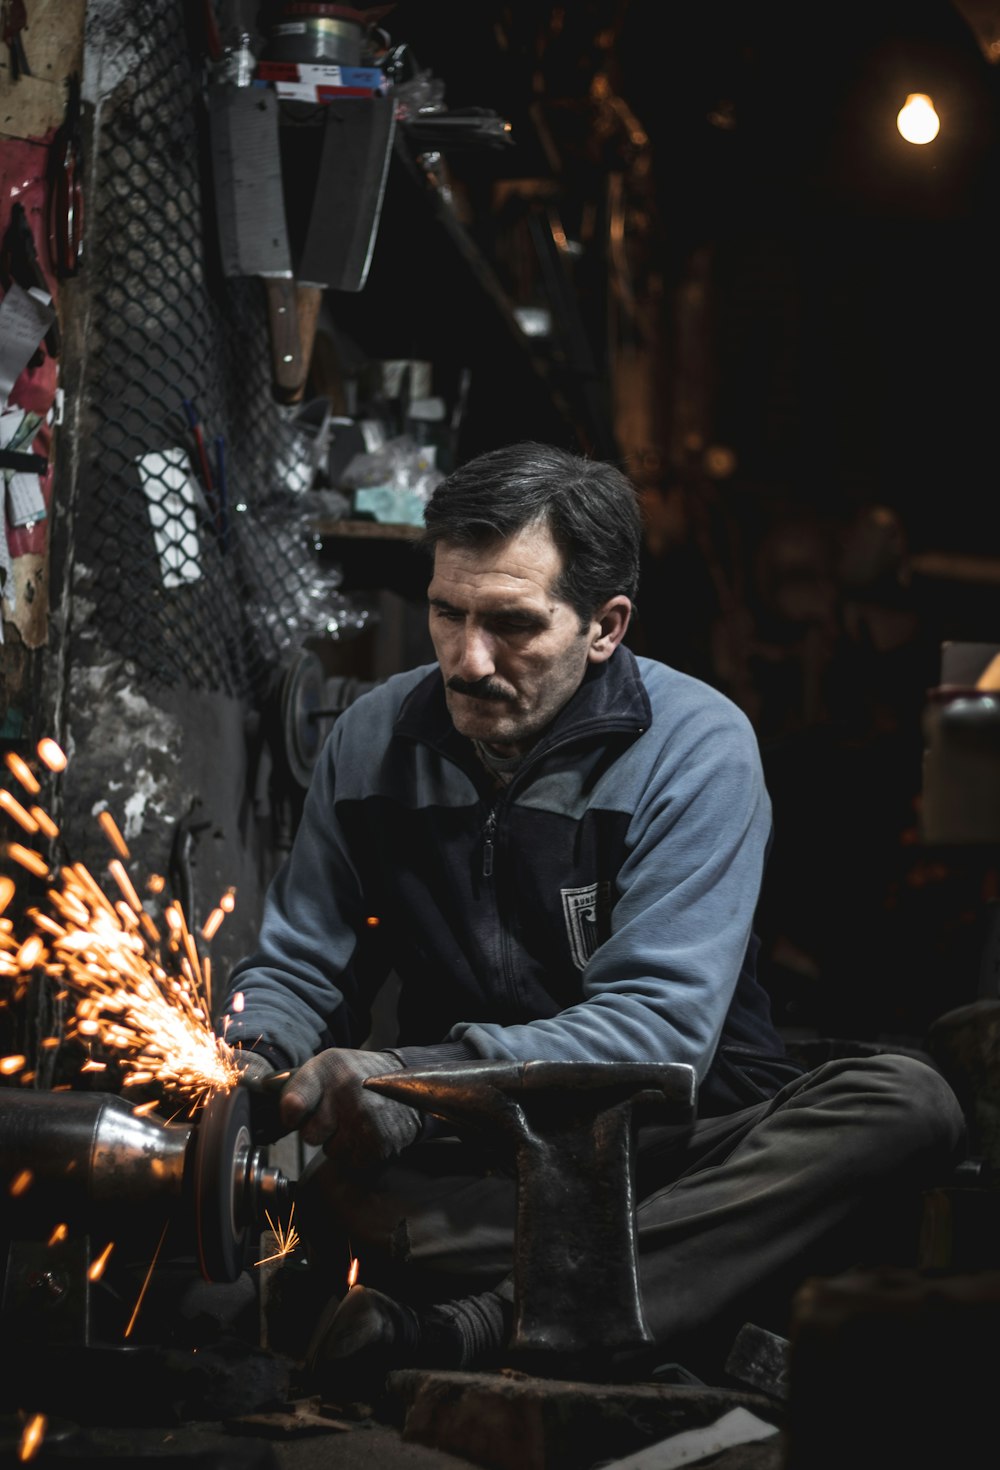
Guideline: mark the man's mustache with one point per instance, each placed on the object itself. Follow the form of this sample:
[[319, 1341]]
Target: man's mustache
[[478, 689]]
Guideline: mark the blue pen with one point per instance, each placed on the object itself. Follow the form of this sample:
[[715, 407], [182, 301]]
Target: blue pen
[[199, 444]]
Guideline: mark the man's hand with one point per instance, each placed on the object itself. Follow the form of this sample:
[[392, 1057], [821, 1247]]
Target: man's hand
[[325, 1100], [252, 1065]]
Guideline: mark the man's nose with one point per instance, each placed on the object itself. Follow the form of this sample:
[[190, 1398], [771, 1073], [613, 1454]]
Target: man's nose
[[476, 655]]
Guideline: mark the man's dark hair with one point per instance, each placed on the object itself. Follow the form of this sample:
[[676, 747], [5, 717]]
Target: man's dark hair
[[589, 506]]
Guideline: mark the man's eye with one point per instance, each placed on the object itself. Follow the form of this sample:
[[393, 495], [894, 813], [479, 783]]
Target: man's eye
[[512, 632], [451, 614]]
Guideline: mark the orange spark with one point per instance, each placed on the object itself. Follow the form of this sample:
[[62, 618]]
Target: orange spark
[[97, 1267], [149, 928], [285, 1238], [30, 953], [45, 822], [211, 925], [10, 1065], [239, 1001], [124, 882], [7, 891], [135, 1311], [51, 755], [352, 1274], [23, 772], [109, 827], [28, 859], [21, 1182], [58, 1234], [13, 808], [228, 901], [42, 921], [31, 1436]]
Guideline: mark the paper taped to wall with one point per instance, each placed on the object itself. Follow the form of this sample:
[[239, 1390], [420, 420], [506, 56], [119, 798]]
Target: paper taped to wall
[[25, 317], [171, 501]]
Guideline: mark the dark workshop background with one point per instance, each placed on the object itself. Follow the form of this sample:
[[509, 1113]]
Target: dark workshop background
[[706, 254]]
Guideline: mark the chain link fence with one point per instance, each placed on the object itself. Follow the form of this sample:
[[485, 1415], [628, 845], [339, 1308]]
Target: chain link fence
[[192, 530]]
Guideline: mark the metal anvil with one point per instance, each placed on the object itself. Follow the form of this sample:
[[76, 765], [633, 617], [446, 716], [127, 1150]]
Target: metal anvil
[[570, 1124]]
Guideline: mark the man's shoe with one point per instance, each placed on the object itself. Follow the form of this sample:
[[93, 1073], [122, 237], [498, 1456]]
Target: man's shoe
[[364, 1336]]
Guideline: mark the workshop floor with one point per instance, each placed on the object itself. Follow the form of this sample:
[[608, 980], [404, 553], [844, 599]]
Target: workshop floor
[[203, 1389], [890, 1367]]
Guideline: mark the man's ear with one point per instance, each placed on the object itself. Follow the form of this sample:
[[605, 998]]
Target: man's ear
[[609, 626]]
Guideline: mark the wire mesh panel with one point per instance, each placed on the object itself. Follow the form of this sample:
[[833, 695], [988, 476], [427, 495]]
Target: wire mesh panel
[[189, 528]]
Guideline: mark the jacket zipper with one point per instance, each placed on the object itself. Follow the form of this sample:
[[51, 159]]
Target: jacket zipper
[[490, 825], [489, 831]]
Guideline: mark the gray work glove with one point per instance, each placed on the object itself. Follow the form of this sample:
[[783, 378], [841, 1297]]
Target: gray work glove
[[325, 1100], [253, 1066]]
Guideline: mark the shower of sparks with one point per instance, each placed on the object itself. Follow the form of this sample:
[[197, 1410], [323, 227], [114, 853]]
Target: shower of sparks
[[140, 996], [286, 1238], [31, 1436]]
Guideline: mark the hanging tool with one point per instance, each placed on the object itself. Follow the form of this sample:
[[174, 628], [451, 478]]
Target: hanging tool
[[65, 204], [329, 170], [344, 192], [250, 213], [15, 21]]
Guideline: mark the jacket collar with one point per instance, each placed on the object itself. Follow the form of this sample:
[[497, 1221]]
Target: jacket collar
[[610, 698]]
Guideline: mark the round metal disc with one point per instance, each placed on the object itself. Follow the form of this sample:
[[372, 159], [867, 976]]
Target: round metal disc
[[301, 697], [221, 1150]]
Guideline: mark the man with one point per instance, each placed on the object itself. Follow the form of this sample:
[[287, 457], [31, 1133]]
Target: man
[[557, 848]]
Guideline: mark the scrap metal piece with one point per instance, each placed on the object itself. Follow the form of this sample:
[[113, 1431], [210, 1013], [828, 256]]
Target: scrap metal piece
[[759, 1359]]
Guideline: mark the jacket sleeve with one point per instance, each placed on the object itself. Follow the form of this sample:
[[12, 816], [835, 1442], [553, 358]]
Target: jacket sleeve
[[281, 998], [659, 988]]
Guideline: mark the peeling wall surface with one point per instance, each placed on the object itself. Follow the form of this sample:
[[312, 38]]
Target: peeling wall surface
[[160, 678], [175, 780]]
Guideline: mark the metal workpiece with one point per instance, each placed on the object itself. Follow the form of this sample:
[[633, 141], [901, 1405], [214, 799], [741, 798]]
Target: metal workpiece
[[571, 1128], [76, 1151], [87, 1161]]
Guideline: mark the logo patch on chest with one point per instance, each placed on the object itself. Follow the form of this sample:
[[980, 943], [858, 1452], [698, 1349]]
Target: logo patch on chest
[[586, 911]]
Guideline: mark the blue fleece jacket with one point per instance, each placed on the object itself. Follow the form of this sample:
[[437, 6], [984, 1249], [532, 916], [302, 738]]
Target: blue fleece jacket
[[599, 908]]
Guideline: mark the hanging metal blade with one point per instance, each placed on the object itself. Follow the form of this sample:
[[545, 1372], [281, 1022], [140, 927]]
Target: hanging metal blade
[[348, 193]]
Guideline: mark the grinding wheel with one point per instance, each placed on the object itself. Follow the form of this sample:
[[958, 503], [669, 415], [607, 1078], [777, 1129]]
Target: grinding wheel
[[222, 1149]]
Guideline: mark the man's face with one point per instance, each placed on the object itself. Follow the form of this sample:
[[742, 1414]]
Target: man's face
[[511, 653]]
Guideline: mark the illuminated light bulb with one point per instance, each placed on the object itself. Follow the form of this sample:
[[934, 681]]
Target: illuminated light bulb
[[916, 120]]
